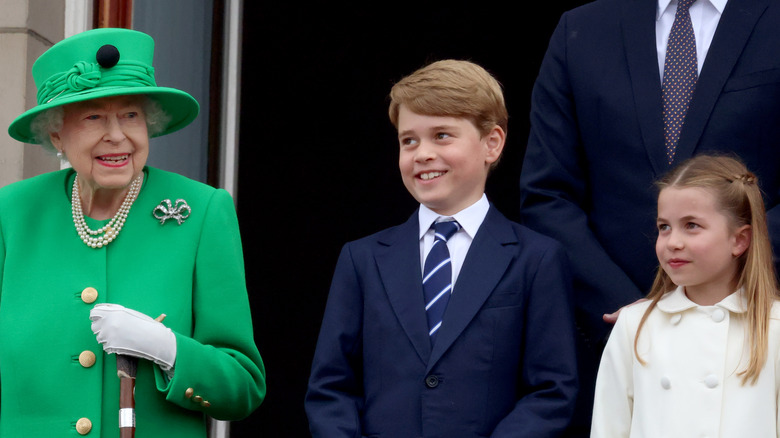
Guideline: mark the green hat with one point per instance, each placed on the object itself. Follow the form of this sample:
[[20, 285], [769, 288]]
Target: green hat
[[101, 63]]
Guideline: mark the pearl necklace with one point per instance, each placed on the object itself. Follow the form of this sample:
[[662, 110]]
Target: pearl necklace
[[113, 227]]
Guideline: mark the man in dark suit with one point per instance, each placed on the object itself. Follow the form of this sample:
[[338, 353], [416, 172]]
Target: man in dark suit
[[500, 362], [597, 140]]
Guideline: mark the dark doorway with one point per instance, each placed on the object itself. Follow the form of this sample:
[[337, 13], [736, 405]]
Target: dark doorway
[[318, 155]]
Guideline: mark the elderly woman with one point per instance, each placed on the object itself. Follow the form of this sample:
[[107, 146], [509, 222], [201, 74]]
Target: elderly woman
[[90, 256]]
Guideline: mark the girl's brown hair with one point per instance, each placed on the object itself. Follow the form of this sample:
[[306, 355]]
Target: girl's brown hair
[[738, 196]]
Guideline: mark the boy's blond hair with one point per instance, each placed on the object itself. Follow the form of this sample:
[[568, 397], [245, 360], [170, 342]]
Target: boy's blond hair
[[452, 88]]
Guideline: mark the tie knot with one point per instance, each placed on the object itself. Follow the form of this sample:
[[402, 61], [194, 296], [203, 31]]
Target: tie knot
[[445, 230], [685, 4]]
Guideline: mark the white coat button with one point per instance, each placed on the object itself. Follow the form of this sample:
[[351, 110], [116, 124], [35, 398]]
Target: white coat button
[[711, 381], [675, 319], [718, 315], [665, 382]]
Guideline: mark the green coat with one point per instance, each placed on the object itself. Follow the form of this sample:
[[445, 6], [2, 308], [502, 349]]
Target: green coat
[[193, 272]]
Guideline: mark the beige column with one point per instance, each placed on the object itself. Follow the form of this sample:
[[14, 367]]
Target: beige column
[[27, 29]]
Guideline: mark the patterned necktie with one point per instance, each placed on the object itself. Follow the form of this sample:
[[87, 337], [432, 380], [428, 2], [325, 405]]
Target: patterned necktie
[[437, 276], [680, 74]]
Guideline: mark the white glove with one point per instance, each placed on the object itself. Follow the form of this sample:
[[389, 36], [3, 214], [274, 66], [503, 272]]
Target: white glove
[[126, 331]]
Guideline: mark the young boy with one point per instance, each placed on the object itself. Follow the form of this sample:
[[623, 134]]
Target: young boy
[[428, 334]]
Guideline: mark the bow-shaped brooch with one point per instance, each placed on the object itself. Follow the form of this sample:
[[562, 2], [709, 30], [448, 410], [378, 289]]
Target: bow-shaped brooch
[[168, 210]]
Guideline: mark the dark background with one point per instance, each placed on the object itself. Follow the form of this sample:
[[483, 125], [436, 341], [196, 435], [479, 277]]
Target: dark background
[[318, 155]]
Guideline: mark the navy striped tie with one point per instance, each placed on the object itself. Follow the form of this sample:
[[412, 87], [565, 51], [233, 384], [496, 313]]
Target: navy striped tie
[[437, 276]]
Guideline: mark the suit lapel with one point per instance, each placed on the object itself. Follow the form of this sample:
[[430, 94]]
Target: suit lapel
[[490, 253], [398, 262], [735, 26], [638, 25]]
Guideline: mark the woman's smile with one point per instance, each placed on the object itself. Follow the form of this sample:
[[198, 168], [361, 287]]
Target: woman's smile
[[113, 160]]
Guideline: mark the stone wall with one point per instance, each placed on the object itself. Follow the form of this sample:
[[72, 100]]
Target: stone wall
[[27, 29]]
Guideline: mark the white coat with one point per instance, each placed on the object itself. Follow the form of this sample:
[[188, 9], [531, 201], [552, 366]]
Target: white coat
[[689, 386]]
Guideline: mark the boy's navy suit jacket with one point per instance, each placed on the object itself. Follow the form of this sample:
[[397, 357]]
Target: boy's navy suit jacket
[[504, 360]]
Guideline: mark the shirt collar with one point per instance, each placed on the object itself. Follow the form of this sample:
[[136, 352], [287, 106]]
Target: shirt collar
[[720, 5], [664, 4], [470, 218], [676, 301]]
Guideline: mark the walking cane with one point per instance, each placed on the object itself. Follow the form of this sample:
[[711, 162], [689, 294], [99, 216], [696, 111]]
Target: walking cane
[[126, 367]]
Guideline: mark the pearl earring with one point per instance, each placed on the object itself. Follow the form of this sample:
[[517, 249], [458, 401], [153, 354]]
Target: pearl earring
[[59, 154]]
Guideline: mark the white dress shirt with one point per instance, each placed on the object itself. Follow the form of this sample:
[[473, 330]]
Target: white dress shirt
[[705, 15], [470, 219]]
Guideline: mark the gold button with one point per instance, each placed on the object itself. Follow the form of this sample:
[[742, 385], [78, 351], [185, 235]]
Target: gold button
[[188, 393], [197, 399], [83, 426], [205, 403], [89, 295], [87, 358]]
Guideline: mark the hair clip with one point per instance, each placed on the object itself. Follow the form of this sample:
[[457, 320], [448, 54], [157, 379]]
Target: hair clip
[[746, 178]]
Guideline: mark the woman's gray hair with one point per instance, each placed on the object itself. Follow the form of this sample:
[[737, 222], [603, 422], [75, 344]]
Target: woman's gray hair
[[156, 117], [46, 122], [51, 121]]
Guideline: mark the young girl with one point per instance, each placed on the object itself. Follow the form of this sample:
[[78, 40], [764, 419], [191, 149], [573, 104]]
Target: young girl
[[700, 357]]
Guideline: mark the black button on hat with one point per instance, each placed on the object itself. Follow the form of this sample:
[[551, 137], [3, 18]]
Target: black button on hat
[[107, 56]]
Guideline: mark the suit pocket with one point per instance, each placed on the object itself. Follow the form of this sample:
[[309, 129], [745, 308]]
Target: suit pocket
[[752, 80], [509, 299]]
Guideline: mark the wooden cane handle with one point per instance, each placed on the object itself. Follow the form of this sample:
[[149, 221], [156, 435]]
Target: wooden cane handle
[[126, 367], [127, 407]]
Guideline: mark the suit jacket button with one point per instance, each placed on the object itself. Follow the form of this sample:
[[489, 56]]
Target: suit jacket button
[[83, 426], [197, 399], [89, 295], [188, 393], [432, 381], [87, 358]]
